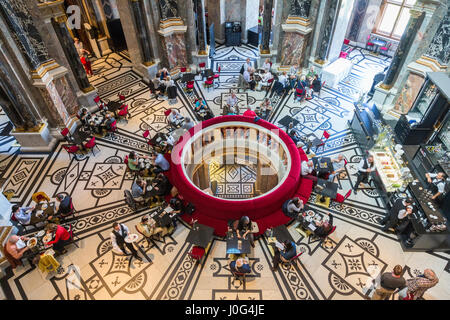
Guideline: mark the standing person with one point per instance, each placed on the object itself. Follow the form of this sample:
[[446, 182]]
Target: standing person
[[61, 237], [245, 226], [87, 64], [316, 85], [436, 184], [267, 65], [283, 79], [418, 285], [79, 46], [118, 235], [365, 167], [249, 78], [293, 75], [289, 251], [389, 282]]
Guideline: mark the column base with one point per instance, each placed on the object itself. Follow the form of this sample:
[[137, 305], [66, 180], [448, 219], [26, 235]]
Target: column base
[[39, 141], [384, 98], [264, 56], [199, 57], [104, 46], [149, 71]]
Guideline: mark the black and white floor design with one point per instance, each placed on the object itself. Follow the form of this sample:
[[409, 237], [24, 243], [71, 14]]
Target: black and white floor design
[[360, 251]]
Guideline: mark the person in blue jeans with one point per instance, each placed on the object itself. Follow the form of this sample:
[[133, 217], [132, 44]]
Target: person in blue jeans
[[289, 251]]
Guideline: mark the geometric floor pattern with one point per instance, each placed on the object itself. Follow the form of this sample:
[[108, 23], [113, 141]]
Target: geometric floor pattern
[[359, 252]]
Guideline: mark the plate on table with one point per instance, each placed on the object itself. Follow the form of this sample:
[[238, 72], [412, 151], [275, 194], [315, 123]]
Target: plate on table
[[326, 218], [47, 238], [308, 218], [310, 213], [40, 234], [132, 237], [44, 206], [32, 242]]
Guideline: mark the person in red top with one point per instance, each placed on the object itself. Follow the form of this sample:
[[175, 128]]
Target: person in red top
[[87, 64], [60, 235], [249, 112]]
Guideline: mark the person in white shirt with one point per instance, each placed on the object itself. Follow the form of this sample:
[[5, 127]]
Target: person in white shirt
[[283, 79], [175, 118], [267, 65], [169, 82], [188, 124], [293, 75], [265, 80], [436, 184], [247, 64], [232, 100], [365, 167], [338, 167], [308, 171], [79, 46], [118, 235]]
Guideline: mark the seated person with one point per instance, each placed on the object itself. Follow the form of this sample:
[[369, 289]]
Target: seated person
[[436, 184], [175, 118], [160, 86], [249, 112], [163, 74], [283, 79], [265, 80], [240, 265], [294, 207], [148, 228], [248, 77], [311, 73], [133, 161], [294, 136], [308, 171], [244, 229], [316, 85], [64, 207], [109, 120], [293, 75], [161, 162], [16, 246], [324, 227], [266, 108], [138, 190], [289, 252], [267, 65], [232, 100], [233, 227], [232, 111], [23, 215], [338, 167], [60, 235], [397, 220], [308, 88], [162, 185], [301, 85], [188, 124], [200, 104], [169, 82], [365, 167], [84, 115]]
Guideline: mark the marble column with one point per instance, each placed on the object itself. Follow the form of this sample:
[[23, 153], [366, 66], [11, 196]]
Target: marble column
[[267, 26], [101, 21], [72, 54], [402, 51], [201, 26], [326, 31], [142, 31], [297, 29]]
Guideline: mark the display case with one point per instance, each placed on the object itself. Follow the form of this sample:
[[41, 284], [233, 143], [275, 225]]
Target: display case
[[428, 112], [364, 125]]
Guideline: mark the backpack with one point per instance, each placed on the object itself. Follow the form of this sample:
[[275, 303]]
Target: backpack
[[242, 70]]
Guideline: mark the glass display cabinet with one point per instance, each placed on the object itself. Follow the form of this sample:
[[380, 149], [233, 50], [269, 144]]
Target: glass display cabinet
[[428, 112]]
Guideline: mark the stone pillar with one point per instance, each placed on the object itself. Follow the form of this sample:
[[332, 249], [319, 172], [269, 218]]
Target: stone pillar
[[216, 15], [203, 49], [188, 15], [101, 21], [267, 27], [426, 15], [297, 29], [326, 31], [405, 43], [142, 31], [172, 31]]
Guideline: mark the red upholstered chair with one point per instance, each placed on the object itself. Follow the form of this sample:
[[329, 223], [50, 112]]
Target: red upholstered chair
[[197, 253], [146, 135], [167, 112], [97, 100], [343, 55], [209, 82], [346, 41], [201, 66], [121, 97], [183, 70], [189, 86], [91, 144], [384, 50], [217, 75], [71, 150], [113, 128], [325, 135], [66, 134], [369, 44], [340, 198], [123, 113], [299, 93]]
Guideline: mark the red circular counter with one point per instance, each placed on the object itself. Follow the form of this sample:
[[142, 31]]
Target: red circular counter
[[226, 209]]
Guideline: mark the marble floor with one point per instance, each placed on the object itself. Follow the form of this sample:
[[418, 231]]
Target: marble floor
[[359, 251]]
